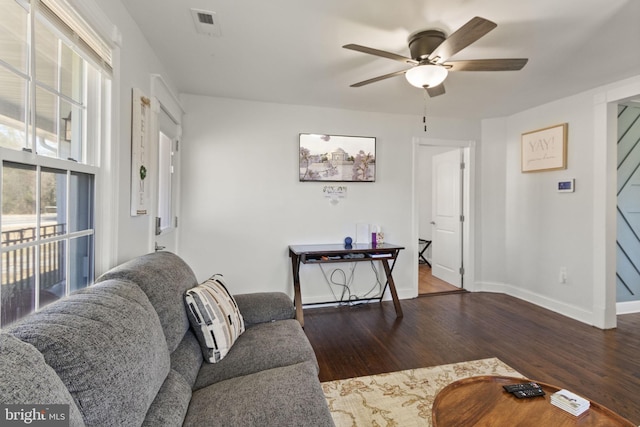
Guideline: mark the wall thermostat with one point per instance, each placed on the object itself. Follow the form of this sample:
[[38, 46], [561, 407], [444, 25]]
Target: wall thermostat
[[566, 186]]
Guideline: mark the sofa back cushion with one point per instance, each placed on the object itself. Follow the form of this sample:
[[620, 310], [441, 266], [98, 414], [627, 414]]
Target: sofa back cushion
[[164, 277], [25, 379], [106, 344]]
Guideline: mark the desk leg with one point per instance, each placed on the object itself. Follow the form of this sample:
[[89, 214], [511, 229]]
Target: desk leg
[[392, 288], [295, 265]]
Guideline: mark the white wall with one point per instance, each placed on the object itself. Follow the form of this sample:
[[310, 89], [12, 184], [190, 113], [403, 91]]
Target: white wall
[[491, 203], [242, 203], [543, 230], [133, 67]]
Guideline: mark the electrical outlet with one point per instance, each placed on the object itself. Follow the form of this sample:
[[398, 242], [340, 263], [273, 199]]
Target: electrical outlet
[[563, 275]]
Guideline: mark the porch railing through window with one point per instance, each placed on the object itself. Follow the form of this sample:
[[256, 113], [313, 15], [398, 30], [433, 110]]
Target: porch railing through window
[[19, 270]]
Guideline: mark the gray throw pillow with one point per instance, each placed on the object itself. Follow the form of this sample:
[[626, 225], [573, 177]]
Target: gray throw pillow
[[215, 318]]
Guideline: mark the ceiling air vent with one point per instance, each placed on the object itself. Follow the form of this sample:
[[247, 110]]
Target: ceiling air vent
[[206, 22]]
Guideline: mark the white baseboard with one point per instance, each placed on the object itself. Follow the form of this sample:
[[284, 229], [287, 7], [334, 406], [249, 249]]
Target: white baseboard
[[564, 309], [628, 307]]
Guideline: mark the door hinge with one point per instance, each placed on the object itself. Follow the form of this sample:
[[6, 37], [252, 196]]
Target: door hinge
[[461, 218], [462, 165], [177, 145], [175, 222], [461, 271]]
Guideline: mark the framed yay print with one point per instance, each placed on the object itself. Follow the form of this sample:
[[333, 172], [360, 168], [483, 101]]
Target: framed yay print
[[544, 149]]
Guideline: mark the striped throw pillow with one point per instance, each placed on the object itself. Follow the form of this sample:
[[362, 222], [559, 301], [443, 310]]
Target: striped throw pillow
[[214, 317]]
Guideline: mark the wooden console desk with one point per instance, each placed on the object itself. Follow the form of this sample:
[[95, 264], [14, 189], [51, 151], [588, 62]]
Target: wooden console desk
[[335, 253]]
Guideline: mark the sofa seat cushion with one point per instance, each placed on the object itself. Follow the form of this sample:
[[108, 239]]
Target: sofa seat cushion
[[263, 346], [25, 379], [286, 396], [170, 405], [107, 346], [215, 318]]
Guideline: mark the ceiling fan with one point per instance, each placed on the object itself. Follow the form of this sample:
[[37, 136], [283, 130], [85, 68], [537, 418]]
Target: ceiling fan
[[430, 51]]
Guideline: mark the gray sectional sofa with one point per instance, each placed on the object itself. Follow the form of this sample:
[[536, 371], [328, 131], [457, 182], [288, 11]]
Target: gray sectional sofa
[[122, 353]]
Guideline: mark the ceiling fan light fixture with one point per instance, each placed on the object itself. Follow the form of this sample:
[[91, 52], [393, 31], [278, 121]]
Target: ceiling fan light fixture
[[427, 75]]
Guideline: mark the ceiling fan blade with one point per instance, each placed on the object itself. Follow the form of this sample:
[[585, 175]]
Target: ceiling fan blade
[[505, 64], [377, 79], [382, 53], [436, 90], [461, 38]]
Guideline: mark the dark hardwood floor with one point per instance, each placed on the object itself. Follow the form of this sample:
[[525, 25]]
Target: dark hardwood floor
[[428, 284], [542, 345]]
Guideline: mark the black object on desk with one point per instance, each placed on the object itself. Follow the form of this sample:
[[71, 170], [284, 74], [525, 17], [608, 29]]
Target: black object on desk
[[333, 253]]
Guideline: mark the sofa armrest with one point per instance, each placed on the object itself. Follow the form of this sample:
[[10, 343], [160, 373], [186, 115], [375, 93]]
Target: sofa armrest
[[262, 307]]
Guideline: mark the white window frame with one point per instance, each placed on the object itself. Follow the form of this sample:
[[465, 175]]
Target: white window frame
[[99, 157], [108, 180]]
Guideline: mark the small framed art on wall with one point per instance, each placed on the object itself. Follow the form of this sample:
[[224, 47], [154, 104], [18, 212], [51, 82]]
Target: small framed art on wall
[[544, 149]]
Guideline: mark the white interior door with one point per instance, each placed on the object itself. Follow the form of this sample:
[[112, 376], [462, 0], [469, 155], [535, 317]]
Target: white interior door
[[446, 253]]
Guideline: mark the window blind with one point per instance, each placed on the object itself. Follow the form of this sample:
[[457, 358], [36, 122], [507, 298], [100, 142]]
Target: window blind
[[67, 20]]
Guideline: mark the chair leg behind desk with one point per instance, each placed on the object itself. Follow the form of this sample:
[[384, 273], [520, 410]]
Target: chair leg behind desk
[[421, 255]]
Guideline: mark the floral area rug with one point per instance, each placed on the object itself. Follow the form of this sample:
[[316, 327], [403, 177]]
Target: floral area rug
[[400, 399]]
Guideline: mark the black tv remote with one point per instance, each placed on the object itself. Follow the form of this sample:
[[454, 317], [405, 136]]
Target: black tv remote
[[533, 392], [511, 388]]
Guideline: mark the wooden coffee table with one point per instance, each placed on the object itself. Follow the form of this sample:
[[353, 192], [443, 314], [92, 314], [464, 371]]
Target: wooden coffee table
[[481, 401]]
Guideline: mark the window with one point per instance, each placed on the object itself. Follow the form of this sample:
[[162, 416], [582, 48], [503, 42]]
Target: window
[[55, 81]]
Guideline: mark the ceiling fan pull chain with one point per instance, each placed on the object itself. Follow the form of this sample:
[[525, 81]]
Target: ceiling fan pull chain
[[424, 115]]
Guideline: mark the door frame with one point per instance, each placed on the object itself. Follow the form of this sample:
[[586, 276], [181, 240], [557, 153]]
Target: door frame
[[162, 98], [633, 306], [605, 200], [468, 206]]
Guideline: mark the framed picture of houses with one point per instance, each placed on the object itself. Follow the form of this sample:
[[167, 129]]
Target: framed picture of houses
[[337, 158], [545, 149]]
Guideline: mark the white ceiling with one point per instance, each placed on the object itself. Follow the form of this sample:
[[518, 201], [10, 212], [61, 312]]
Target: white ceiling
[[290, 51]]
